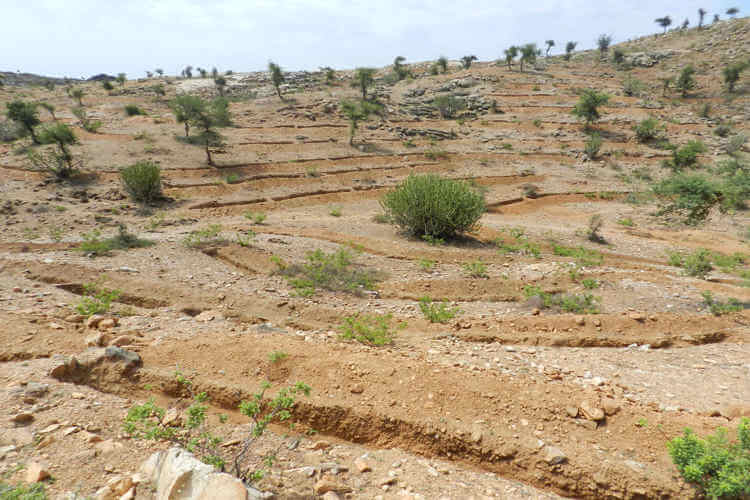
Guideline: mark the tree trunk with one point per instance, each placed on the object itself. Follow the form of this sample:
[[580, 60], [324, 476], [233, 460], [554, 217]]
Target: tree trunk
[[34, 138], [364, 92], [187, 129], [208, 156], [278, 91], [352, 129]]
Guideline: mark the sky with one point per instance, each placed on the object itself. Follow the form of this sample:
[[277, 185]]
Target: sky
[[80, 38]]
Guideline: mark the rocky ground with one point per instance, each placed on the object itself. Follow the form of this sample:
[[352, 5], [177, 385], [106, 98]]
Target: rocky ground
[[506, 400]]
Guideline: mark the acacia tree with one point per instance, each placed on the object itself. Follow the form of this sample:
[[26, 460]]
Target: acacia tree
[[363, 78], [77, 94], [732, 11], [685, 23], [467, 60], [399, 69], [25, 114], [221, 84], [59, 162], [49, 108], [277, 77], [356, 112], [528, 54], [121, 78], [206, 121], [686, 81], [603, 43], [716, 18], [442, 63], [664, 22], [510, 54], [187, 72], [701, 14], [569, 48], [550, 44], [186, 108], [159, 71], [587, 106], [732, 74]]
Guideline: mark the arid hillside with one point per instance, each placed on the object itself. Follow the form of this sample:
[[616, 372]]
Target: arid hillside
[[600, 307]]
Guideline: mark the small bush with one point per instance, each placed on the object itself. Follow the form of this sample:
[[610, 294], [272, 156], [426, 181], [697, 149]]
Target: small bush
[[335, 272], [476, 269], [592, 146], [717, 466], [22, 491], [133, 110], [583, 256], [95, 246], [648, 130], [718, 307], [437, 312], [208, 236], [595, 225], [372, 329], [632, 87], [686, 156], [96, 299], [335, 212], [256, 217], [428, 205], [142, 181], [697, 264], [723, 130], [580, 304], [448, 106]]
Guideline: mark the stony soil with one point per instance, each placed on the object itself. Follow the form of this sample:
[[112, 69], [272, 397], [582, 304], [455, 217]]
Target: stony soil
[[504, 401]]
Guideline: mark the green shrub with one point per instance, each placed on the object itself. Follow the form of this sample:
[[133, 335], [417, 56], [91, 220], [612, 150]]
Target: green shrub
[[133, 110], [718, 307], [334, 271], [22, 491], [590, 284], [448, 105], [142, 181], [648, 130], [437, 312], [88, 124], [696, 264], [427, 265], [476, 269], [211, 235], [256, 217], [720, 468], [723, 130], [686, 81], [687, 155], [25, 115], [428, 205], [588, 104], [592, 146], [96, 299], [95, 246], [632, 87], [580, 304], [372, 329]]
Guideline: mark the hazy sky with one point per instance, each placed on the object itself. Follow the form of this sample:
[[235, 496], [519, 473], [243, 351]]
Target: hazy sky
[[84, 37]]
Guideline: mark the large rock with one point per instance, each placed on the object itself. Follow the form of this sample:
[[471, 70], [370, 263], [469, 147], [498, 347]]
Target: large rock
[[178, 475]]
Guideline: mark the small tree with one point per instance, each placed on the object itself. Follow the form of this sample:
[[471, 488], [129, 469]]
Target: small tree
[[356, 112], [399, 69], [716, 18], [588, 104], [186, 108], [121, 78], [25, 114], [664, 22], [569, 48], [686, 80], [61, 161], [732, 11], [363, 78], [206, 120], [603, 42], [550, 44], [187, 72], [277, 77], [330, 74], [77, 94], [701, 14], [448, 105], [528, 54], [510, 54], [159, 71], [685, 24], [442, 63], [467, 60], [221, 84], [214, 73], [732, 75], [107, 85], [149, 74], [142, 181], [203, 72]]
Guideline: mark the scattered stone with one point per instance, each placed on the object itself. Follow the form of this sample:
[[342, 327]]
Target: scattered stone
[[591, 412], [554, 455], [97, 340], [172, 418], [94, 321], [636, 316], [325, 484], [122, 340], [362, 465], [107, 323], [320, 445], [572, 411], [357, 389], [24, 418], [35, 472], [610, 407]]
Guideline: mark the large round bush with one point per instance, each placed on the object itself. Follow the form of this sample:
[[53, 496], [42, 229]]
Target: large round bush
[[428, 205], [142, 180]]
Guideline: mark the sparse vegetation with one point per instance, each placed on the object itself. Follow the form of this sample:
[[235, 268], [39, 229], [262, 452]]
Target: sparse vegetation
[[434, 206], [585, 303], [133, 110], [363, 78], [587, 108], [96, 299], [718, 307], [476, 269], [437, 312], [593, 145], [372, 329], [649, 130], [335, 272], [356, 112], [210, 235]]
